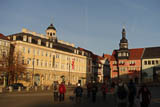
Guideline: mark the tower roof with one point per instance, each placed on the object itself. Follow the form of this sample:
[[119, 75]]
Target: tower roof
[[51, 27]]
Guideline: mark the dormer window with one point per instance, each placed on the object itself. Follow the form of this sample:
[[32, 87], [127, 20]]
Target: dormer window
[[47, 44], [30, 39], [50, 45], [14, 37], [39, 41], [25, 38]]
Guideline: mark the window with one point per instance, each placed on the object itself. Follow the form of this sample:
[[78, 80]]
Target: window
[[41, 62], [23, 49], [39, 41], [34, 51], [57, 55], [149, 62], [14, 37], [46, 53], [38, 52], [30, 39], [37, 62], [22, 60], [157, 62], [42, 53], [29, 50], [145, 62], [46, 63], [24, 38], [153, 62]]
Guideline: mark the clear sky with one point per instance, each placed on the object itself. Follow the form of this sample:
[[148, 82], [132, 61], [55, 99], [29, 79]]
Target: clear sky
[[95, 25]]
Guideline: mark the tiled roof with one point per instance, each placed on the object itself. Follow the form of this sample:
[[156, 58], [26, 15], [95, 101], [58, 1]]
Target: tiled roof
[[113, 57], [3, 37], [107, 56], [135, 53], [151, 52]]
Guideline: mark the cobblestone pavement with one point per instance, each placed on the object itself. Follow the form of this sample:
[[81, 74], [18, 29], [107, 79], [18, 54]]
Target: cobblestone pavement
[[45, 99]]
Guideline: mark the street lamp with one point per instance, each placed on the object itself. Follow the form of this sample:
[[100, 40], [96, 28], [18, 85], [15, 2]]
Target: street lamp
[[33, 72]]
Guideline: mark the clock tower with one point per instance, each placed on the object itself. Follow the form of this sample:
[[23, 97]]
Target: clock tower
[[123, 52]]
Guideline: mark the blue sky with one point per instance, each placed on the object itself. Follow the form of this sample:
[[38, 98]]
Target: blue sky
[[95, 25]]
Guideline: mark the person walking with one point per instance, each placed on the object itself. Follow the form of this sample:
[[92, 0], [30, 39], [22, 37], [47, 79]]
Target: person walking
[[121, 94], [89, 89], [78, 91], [55, 90], [132, 93], [62, 91], [94, 91], [104, 90], [144, 95]]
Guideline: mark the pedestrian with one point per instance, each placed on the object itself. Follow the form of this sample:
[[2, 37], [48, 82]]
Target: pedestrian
[[62, 91], [121, 93], [55, 90], [94, 91], [104, 90], [132, 93], [89, 89], [144, 95], [78, 91]]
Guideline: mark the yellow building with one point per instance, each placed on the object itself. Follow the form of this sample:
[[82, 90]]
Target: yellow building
[[151, 64], [4, 52], [49, 59]]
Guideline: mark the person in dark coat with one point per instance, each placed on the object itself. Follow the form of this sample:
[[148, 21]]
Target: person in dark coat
[[132, 93], [94, 92], [78, 91], [89, 89], [145, 96]]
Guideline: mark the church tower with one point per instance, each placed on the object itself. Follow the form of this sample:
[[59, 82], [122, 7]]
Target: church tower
[[123, 52], [51, 33]]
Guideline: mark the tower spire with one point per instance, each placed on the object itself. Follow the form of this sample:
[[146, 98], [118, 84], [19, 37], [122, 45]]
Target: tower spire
[[123, 32]]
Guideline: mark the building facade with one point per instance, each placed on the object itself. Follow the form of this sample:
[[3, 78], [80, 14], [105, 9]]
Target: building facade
[[151, 64], [126, 63], [4, 53], [49, 59]]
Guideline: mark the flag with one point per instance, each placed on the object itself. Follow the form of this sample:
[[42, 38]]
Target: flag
[[73, 64]]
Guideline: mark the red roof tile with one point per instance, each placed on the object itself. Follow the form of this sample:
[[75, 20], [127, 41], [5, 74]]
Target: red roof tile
[[107, 56], [136, 53], [113, 56], [3, 37]]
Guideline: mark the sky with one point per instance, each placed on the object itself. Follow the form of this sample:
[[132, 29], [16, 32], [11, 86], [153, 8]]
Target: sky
[[95, 25]]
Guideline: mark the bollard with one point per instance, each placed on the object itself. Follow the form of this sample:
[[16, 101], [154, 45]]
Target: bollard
[[27, 89], [19, 89], [42, 87], [10, 89], [36, 88]]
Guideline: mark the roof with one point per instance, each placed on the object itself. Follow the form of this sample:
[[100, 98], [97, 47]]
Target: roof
[[3, 37], [107, 56], [133, 54], [56, 45], [113, 57], [51, 27], [151, 52]]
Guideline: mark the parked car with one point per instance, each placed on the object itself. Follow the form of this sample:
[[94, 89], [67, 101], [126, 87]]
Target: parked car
[[16, 85]]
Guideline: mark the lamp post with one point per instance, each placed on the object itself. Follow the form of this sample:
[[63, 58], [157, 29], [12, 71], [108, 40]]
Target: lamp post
[[33, 72]]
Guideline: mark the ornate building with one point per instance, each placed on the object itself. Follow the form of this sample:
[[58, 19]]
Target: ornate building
[[49, 59], [4, 52], [126, 63]]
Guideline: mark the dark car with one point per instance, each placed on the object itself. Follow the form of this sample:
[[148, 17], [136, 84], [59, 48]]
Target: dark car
[[16, 85]]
